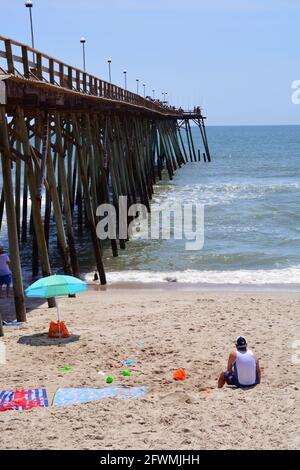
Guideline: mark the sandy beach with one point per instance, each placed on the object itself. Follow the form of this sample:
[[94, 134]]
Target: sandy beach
[[165, 330]]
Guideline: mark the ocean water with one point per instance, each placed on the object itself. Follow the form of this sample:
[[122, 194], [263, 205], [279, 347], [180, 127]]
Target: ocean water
[[251, 197]]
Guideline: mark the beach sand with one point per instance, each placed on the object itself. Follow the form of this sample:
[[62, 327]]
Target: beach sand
[[166, 330]]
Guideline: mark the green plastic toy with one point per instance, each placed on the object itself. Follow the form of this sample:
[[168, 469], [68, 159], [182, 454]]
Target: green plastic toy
[[66, 368], [109, 379], [126, 373]]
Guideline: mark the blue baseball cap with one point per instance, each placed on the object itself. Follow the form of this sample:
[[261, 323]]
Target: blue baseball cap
[[241, 342]]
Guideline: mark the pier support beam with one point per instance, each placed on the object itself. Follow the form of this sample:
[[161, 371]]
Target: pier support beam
[[1, 207], [11, 220], [35, 201], [88, 204], [66, 198]]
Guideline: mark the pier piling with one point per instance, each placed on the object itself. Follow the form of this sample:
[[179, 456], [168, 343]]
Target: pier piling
[[69, 142]]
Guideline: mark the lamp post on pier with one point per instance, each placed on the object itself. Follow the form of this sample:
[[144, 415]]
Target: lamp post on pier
[[144, 86], [137, 86], [29, 5], [153, 94], [83, 41], [109, 69], [125, 79]]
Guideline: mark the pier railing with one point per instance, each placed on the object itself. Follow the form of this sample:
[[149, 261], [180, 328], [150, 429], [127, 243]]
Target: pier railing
[[30, 64]]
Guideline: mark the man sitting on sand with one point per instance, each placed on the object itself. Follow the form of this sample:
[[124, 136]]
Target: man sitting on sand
[[243, 367], [5, 273]]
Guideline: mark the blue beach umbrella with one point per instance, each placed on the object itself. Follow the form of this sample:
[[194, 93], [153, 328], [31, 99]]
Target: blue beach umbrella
[[55, 286]]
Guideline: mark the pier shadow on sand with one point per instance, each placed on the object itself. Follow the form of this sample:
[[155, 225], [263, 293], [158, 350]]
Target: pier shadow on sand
[[41, 339], [7, 307]]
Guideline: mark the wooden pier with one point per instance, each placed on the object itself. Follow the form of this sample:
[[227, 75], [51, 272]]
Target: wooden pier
[[69, 142]]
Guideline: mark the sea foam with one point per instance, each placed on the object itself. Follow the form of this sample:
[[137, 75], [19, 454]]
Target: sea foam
[[289, 275]]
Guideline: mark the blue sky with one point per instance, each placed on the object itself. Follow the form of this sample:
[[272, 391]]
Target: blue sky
[[236, 58]]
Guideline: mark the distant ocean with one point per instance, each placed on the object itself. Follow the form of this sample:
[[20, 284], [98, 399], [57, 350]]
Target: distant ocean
[[251, 195]]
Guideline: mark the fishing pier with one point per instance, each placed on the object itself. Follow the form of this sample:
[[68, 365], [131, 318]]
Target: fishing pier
[[69, 142]]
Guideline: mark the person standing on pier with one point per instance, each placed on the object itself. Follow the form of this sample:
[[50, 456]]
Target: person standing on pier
[[5, 272]]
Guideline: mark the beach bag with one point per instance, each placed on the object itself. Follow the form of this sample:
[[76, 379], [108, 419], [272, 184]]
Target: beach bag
[[58, 330]]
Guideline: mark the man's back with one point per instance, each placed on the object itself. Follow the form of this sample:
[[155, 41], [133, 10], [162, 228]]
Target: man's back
[[242, 367], [245, 367]]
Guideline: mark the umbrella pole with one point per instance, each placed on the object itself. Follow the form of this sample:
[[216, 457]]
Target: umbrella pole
[[58, 317]]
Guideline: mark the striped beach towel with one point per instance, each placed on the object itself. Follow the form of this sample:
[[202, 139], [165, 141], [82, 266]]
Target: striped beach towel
[[20, 400]]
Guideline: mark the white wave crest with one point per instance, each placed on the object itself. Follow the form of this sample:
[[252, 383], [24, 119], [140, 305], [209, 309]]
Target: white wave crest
[[273, 276]]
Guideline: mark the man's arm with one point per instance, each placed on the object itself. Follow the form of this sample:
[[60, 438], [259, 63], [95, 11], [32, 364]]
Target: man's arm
[[231, 361], [258, 371]]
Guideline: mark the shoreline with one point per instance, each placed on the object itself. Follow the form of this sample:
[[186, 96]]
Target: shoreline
[[198, 287], [8, 309], [35, 306]]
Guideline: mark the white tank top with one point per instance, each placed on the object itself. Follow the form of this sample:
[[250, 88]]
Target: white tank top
[[245, 366]]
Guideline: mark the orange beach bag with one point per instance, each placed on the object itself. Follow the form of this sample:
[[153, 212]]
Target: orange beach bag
[[58, 330]]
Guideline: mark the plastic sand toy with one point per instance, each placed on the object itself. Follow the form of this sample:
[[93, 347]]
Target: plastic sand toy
[[179, 374], [66, 368], [126, 373], [129, 362]]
